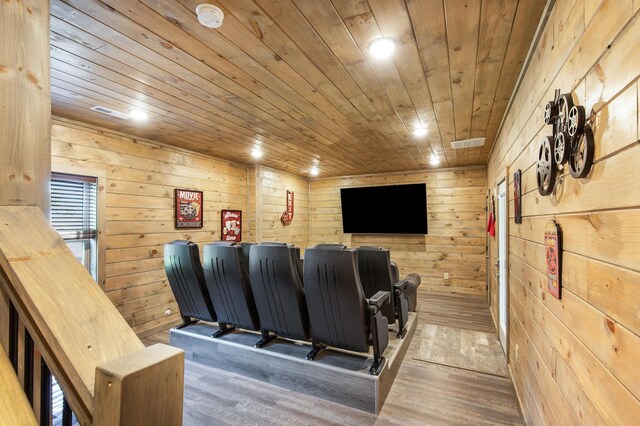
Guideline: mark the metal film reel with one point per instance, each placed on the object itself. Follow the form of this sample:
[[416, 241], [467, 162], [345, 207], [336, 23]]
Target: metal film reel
[[576, 121], [561, 148], [581, 156], [550, 112], [564, 106], [546, 168]]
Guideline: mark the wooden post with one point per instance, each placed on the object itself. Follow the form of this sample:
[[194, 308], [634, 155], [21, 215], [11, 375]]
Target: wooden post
[[25, 104], [144, 388], [25, 112]]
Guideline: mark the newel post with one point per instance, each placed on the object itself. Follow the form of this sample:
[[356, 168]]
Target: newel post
[[25, 113], [144, 388]]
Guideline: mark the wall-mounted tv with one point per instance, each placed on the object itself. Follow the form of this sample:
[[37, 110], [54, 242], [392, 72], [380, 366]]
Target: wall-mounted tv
[[392, 209]]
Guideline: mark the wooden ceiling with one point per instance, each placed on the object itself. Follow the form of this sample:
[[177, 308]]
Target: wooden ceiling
[[295, 78]]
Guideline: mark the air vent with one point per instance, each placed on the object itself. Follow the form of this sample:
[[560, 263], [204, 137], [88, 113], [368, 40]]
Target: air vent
[[107, 111], [467, 143]]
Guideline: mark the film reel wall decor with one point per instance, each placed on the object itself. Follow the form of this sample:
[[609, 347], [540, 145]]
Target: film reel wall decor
[[572, 142]]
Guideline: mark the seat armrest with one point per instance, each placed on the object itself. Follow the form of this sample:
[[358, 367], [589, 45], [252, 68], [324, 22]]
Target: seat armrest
[[379, 298], [401, 285]]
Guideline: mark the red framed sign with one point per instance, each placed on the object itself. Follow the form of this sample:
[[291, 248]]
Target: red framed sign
[[287, 215], [553, 250], [188, 208], [231, 225]]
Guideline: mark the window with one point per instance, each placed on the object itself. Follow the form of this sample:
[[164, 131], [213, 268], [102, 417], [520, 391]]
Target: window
[[74, 216]]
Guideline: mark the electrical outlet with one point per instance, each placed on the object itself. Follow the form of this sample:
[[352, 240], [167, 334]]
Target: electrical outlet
[[446, 275]]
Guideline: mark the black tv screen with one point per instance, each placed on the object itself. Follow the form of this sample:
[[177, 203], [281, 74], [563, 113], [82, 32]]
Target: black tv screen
[[393, 209]]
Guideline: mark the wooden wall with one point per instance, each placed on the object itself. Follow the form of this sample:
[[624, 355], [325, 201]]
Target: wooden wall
[[136, 187], [574, 361], [270, 187], [456, 239]]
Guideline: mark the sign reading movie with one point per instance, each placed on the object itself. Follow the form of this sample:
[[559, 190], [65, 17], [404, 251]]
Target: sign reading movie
[[188, 205], [232, 225]]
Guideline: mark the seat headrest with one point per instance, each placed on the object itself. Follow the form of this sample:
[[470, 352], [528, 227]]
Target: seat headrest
[[371, 248], [223, 243], [273, 243], [183, 243], [331, 247]]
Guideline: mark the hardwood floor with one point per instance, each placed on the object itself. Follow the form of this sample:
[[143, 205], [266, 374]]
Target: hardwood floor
[[423, 393], [455, 310]]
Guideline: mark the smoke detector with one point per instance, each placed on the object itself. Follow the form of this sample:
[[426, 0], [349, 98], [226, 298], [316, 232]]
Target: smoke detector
[[209, 15]]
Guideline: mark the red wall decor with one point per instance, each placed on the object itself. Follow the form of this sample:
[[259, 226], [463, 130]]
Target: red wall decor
[[553, 250], [287, 215], [188, 208], [231, 225]]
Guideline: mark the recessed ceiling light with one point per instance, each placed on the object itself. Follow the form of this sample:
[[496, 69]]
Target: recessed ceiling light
[[138, 114], [382, 48], [420, 132], [314, 171], [434, 161], [256, 153]]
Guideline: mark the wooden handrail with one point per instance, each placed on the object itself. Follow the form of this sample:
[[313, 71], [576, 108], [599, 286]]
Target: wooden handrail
[[14, 406], [72, 321]]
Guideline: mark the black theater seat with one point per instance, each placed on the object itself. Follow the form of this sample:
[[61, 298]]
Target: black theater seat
[[186, 278], [246, 249], [277, 290], [339, 313], [227, 279], [376, 274], [410, 292]]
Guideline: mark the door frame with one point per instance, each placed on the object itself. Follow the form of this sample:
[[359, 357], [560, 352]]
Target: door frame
[[504, 262], [487, 245]]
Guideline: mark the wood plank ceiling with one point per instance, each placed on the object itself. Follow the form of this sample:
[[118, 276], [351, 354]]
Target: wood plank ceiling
[[294, 78]]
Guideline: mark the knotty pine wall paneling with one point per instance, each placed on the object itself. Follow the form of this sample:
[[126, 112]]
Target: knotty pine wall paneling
[[270, 186], [456, 220], [136, 189], [574, 361]]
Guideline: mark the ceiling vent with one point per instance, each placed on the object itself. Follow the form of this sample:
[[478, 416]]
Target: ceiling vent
[[107, 111], [467, 143]]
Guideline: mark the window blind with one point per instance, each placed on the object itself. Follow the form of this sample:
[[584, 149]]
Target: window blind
[[73, 206]]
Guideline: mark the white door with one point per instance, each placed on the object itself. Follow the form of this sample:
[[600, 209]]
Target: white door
[[503, 261]]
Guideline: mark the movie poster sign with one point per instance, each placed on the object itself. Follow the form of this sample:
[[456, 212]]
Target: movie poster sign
[[553, 249], [232, 225], [188, 208]]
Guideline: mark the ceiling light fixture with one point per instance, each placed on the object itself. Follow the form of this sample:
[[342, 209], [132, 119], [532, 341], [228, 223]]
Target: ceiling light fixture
[[209, 15], [382, 48], [420, 132], [256, 153], [434, 161], [314, 171], [138, 114]]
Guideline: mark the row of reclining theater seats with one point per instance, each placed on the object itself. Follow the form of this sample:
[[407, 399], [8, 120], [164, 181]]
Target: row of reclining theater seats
[[260, 287]]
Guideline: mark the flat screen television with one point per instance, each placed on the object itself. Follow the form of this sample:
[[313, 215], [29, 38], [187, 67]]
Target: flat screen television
[[392, 209]]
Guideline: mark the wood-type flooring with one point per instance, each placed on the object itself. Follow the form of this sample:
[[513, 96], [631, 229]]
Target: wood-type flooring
[[423, 393]]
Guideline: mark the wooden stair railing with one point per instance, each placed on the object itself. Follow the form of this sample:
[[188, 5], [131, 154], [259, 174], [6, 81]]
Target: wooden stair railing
[[14, 406], [107, 375]]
